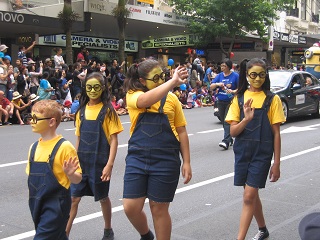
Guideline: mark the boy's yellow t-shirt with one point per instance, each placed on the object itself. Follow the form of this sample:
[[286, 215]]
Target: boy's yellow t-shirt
[[65, 151], [275, 113], [110, 126], [172, 109]]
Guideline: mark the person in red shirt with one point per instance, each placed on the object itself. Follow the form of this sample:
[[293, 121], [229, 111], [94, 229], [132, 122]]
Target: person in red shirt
[[6, 109], [81, 55]]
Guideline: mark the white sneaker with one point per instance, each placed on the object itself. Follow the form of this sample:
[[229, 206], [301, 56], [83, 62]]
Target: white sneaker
[[224, 145], [261, 235]]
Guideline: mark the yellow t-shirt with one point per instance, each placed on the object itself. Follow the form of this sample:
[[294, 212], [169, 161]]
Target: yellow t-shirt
[[65, 151], [172, 109], [275, 113], [110, 126]]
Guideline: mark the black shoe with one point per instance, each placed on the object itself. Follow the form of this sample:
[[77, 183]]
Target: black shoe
[[261, 235], [108, 234], [7, 123], [231, 142], [147, 236], [224, 145]]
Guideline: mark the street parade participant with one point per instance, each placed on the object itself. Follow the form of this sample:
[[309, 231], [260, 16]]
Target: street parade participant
[[53, 164], [97, 128], [158, 136], [255, 116]]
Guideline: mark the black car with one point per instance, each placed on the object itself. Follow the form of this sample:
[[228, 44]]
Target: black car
[[299, 92]]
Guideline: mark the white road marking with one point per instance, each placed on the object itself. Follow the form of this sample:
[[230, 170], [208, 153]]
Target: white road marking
[[180, 190]]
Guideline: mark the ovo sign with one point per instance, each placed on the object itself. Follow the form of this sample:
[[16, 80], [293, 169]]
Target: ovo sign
[[11, 17], [25, 39]]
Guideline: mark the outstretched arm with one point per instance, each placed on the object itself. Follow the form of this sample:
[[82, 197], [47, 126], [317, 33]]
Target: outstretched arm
[[154, 95]]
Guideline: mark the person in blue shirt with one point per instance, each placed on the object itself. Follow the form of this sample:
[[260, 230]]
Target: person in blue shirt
[[227, 84], [207, 77]]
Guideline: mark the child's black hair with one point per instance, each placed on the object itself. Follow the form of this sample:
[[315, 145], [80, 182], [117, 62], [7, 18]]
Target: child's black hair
[[137, 71], [245, 65], [105, 95]]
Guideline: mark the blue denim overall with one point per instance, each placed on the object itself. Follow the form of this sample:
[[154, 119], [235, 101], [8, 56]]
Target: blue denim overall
[[253, 148], [49, 202], [93, 153], [153, 160]]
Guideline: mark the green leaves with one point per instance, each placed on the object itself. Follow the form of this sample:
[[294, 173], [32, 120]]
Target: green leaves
[[218, 18]]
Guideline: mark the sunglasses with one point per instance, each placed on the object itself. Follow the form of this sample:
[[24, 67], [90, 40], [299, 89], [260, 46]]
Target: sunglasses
[[254, 75], [33, 118], [157, 77], [96, 87]]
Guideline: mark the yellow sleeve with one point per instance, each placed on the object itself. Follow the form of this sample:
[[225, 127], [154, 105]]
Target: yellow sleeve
[[112, 126], [65, 152], [276, 114], [234, 111]]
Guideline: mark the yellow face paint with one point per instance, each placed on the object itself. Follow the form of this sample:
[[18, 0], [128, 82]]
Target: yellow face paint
[[94, 88], [256, 76], [39, 123], [155, 78]]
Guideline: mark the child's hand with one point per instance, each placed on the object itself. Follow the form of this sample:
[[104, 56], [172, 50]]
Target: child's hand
[[186, 173], [106, 173], [274, 173], [180, 75], [247, 110], [70, 166]]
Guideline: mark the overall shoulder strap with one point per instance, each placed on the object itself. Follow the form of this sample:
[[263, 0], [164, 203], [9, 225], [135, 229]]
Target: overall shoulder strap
[[240, 104], [102, 114], [32, 152], [82, 111], [55, 150], [163, 101], [268, 100]]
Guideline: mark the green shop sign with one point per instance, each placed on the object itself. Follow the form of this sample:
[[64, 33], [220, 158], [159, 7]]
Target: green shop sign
[[173, 41]]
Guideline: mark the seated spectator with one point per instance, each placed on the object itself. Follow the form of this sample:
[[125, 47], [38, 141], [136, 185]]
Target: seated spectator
[[67, 105], [19, 106], [45, 88], [119, 109], [6, 109]]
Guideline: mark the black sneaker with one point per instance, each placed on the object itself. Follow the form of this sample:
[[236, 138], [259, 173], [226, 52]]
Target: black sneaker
[[0, 123], [224, 145], [261, 235], [108, 234], [148, 236], [7, 123]]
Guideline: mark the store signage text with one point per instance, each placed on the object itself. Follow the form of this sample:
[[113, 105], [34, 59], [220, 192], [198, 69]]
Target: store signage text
[[11, 17], [173, 41], [90, 42]]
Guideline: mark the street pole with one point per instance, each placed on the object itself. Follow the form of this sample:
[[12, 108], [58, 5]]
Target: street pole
[[270, 44]]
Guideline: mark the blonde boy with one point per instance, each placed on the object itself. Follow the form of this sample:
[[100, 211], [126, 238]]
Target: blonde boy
[[52, 166]]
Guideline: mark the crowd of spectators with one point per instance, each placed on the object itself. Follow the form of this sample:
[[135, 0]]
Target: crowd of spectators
[[33, 79]]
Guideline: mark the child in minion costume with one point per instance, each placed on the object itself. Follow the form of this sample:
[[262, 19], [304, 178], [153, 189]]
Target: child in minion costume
[[312, 56]]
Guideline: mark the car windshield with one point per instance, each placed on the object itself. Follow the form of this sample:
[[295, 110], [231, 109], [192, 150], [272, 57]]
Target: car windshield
[[279, 78]]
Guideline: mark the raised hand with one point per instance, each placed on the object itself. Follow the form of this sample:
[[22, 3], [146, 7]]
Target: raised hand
[[248, 110], [70, 166]]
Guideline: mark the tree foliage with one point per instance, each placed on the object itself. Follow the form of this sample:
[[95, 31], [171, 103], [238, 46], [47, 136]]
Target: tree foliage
[[212, 19], [67, 17], [121, 13]]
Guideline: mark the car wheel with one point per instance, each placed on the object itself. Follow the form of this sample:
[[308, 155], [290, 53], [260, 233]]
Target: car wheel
[[285, 109], [317, 113]]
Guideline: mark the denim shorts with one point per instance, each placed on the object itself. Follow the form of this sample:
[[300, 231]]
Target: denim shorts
[[87, 187], [251, 167], [152, 173]]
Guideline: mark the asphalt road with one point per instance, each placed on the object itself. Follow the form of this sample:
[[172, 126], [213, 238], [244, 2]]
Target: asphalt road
[[207, 208]]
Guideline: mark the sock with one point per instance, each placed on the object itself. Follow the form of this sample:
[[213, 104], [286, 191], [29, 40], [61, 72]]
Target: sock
[[263, 229], [147, 236]]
